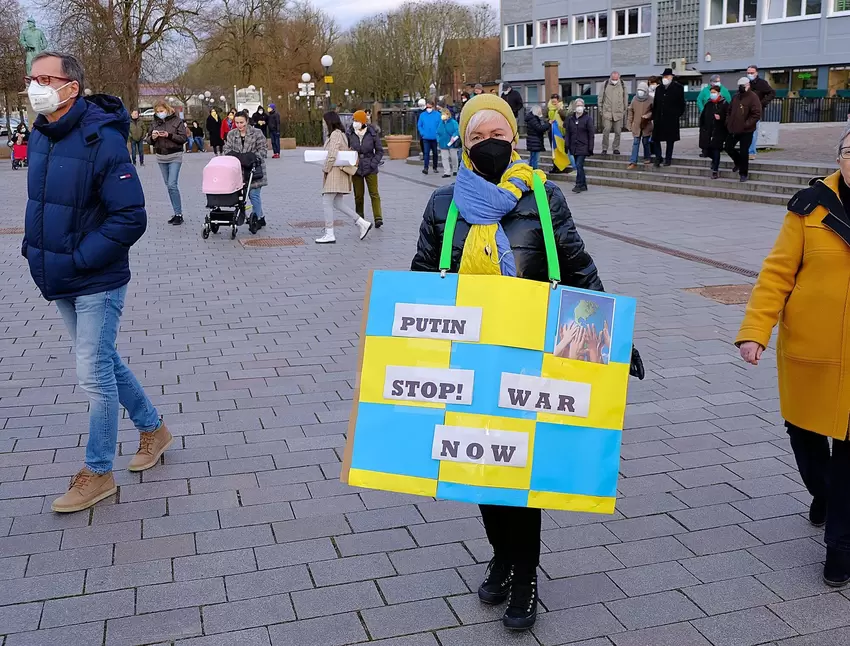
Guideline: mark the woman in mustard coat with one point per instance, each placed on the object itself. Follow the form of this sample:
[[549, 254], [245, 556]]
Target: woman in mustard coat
[[804, 285]]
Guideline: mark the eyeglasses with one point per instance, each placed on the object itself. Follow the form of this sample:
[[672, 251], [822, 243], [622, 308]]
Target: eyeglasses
[[44, 79], [844, 153]]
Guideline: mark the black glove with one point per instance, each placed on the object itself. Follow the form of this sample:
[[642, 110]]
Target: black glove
[[636, 368]]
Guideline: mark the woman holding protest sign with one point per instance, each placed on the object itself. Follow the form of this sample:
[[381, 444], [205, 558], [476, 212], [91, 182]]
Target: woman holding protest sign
[[803, 286], [489, 222]]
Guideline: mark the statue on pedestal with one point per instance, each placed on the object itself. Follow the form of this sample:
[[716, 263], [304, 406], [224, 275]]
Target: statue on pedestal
[[33, 41]]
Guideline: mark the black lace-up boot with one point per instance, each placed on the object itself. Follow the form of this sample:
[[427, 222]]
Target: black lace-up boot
[[522, 602], [497, 582]]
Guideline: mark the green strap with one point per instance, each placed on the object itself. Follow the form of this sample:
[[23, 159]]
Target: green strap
[[545, 221]]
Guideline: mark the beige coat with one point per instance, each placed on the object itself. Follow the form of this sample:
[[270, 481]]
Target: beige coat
[[637, 124], [336, 180]]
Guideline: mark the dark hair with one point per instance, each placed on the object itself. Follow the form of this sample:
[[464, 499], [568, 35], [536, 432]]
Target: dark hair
[[71, 67], [556, 96], [242, 115], [755, 67], [653, 79], [333, 121]]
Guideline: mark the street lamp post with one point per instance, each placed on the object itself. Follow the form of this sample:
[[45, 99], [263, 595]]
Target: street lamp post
[[327, 61]]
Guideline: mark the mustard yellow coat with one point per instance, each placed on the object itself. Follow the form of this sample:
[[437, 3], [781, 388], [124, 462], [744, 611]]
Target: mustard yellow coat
[[804, 284]]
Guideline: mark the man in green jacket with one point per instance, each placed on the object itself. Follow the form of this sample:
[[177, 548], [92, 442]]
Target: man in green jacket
[[138, 132], [703, 98]]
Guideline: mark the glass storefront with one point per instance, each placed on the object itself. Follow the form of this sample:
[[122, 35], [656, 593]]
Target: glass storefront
[[839, 78], [804, 79]]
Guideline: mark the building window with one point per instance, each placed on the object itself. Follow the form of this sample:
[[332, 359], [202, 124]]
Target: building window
[[732, 12], [553, 31], [839, 78], [531, 95], [804, 79], [841, 6], [591, 26], [520, 35], [634, 21], [779, 79], [791, 9]]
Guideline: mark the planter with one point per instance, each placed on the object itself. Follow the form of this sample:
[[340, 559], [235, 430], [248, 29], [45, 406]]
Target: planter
[[399, 146], [287, 143]]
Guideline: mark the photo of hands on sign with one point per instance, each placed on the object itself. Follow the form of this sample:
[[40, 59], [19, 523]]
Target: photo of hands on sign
[[584, 327]]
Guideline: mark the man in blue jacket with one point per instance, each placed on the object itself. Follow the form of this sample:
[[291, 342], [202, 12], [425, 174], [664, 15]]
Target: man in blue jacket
[[429, 121], [85, 210]]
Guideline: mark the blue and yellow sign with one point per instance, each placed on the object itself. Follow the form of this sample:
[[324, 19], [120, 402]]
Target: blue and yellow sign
[[490, 390]]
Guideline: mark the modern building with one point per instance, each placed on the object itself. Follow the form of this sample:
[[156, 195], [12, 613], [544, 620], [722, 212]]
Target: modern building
[[797, 44]]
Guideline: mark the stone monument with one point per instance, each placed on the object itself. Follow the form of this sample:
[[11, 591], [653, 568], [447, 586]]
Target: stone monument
[[33, 41]]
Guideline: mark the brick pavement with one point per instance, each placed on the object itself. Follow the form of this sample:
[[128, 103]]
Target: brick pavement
[[245, 537]]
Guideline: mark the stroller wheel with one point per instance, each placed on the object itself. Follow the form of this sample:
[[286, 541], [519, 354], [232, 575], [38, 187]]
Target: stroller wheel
[[253, 225], [205, 233], [233, 232]]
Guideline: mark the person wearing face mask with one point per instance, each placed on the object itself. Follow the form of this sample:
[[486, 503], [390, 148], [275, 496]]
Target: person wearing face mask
[[167, 136], [653, 82], [498, 230], [273, 121], [227, 124], [138, 134], [86, 209], [260, 121], [245, 138], [639, 120], [613, 105], [513, 98], [448, 139], [744, 114], [761, 88], [712, 128], [214, 131], [366, 142], [581, 135], [803, 286], [429, 121], [668, 106], [536, 128], [714, 85]]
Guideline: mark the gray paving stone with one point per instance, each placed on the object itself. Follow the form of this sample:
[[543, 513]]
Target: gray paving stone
[[369, 521], [651, 550], [306, 528], [802, 551], [436, 510], [576, 624], [180, 524], [426, 585], [784, 528], [838, 636], [647, 579], [710, 516], [566, 538], [771, 507], [795, 583], [336, 599], [447, 531], [492, 633], [470, 610], [37, 588], [283, 493], [251, 637], [334, 505], [81, 634], [68, 560], [352, 568], [649, 504], [338, 630], [577, 591], [206, 566], [731, 594], [575, 562], [371, 542], [200, 502], [635, 529], [654, 610], [405, 618], [108, 511], [234, 539], [672, 635], [727, 565], [267, 582], [145, 629], [20, 618], [274, 556], [123, 576], [709, 495], [743, 628], [255, 514], [154, 548], [26, 544], [237, 615], [426, 559], [88, 608], [720, 539], [184, 594]]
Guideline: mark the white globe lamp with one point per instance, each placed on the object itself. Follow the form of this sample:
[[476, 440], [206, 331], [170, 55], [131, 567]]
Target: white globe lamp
[[327, 60], [305, 77]]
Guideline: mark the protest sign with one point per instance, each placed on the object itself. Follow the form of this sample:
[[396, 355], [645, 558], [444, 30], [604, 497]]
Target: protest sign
[[490, 389]]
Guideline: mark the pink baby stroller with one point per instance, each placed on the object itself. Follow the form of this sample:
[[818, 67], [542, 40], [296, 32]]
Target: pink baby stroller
[[226, 183]]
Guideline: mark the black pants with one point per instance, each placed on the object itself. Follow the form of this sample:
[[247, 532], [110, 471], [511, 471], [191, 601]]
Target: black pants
[[741, 158], [668, 155], [825, 476], [514, 533], [714, 153]]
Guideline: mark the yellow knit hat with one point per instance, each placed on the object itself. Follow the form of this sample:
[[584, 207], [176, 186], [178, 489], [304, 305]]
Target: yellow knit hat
[[487, 102]]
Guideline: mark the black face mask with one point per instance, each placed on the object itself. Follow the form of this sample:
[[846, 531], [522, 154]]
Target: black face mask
[[491, 157], [742, 89]]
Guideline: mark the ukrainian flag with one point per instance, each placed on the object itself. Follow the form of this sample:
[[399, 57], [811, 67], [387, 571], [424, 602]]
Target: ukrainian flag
[[559, 154]]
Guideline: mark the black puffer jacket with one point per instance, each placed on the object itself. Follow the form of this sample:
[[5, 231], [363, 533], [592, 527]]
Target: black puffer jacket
[[535, 129], [369, 150], [524, 231]]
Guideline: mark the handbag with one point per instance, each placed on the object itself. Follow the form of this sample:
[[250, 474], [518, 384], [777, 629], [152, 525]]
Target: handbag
[[350, 170]]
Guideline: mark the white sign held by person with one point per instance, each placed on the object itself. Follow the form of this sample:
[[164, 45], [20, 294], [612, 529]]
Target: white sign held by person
[[537, 394], [437, 385], [480, 446], [437, 322]]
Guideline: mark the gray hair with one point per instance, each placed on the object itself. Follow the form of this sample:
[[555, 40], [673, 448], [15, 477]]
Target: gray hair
[[714, 77], [844, 136], [71, 67], [579, 100], [537, 111]]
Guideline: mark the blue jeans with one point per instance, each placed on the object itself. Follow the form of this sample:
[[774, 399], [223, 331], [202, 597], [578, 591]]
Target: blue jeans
[[256, 201], [171, 175], [137, 147], [755, 139], [92, 322], [534, 159], [572, 159], [581, 180], [647, 152], [197, 142], [429, 149], [275, 142]]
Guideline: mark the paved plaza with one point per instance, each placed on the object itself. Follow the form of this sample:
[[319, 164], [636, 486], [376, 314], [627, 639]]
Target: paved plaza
[[246, 537]]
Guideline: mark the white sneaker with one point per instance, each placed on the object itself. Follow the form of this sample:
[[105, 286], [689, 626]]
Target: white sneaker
[[328, 238], [364, 226]]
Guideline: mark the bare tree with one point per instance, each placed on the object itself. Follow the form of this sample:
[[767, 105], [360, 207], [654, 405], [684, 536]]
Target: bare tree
[[113, 37], [12, 57]]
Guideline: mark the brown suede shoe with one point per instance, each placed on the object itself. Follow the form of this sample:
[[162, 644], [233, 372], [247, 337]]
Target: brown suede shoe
[[86, 489], [151, 446]]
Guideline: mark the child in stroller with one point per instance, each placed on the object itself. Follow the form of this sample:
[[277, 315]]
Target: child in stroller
[[18, 143], [227, 180]]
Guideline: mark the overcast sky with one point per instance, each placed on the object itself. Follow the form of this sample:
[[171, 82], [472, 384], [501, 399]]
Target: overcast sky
[[348, 12]]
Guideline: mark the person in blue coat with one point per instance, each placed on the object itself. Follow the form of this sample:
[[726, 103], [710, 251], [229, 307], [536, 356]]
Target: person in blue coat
[[85, 209], [448, 139], [429, 121]]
